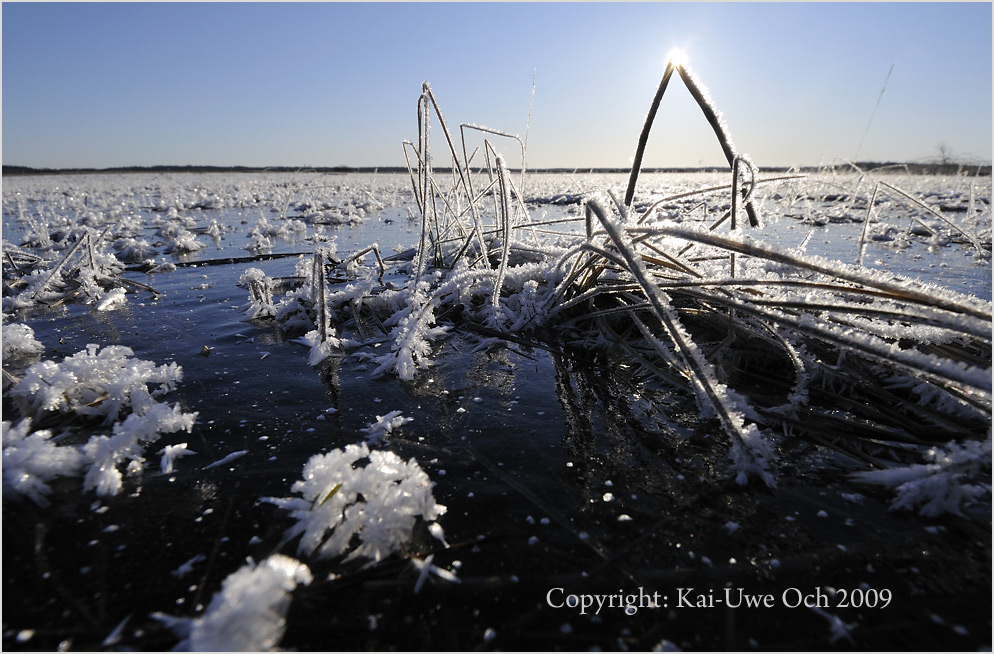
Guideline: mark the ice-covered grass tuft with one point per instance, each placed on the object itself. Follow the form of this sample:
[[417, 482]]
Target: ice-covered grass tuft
[[367, 511], [260, 294], [767, 339], [248, 613], [85, 270]]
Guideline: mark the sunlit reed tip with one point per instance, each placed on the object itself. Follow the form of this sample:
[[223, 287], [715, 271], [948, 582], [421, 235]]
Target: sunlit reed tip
[[677, 57]]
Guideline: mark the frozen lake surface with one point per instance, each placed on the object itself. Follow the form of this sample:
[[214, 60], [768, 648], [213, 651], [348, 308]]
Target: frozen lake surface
[[555, 484]]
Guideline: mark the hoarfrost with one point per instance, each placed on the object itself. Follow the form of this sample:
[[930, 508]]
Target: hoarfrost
[[112, 299], [248, 614], [375, 506], [938, 486], [226, 460], [377, 432], [412, 337], [31, 460], [260, 294], [103, 454], [19, 341], [172, 452], [94, 382]]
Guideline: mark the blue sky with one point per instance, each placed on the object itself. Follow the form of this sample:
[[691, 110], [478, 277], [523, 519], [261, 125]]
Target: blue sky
[[325, 84]]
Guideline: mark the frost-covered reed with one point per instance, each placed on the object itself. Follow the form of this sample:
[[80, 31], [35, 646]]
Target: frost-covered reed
[[772, 342]]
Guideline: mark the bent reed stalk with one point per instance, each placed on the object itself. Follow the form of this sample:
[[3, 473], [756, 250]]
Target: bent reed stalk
[[803, 310], [766, 340]]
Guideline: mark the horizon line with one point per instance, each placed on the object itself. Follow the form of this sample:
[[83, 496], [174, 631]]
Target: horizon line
[[14, 170]]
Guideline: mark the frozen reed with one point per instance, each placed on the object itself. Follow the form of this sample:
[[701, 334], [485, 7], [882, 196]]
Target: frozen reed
[[772, 343]]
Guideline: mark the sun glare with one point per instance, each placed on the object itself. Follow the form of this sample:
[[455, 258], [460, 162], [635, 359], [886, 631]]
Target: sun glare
[[677, 57]]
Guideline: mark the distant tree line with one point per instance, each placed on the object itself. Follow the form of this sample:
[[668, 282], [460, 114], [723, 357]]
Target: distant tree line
[[939, 168]]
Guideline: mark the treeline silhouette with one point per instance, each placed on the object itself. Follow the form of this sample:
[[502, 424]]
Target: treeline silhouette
[[982, 170]]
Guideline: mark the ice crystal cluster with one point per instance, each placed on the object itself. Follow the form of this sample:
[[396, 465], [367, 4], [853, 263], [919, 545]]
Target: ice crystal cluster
[[248, 614], [107, 384], [941, 485], [19, 341], [31, 460], [94, 382], [368, 510]]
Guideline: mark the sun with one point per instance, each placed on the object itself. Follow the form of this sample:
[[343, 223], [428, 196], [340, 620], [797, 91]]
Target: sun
[[677, 57]]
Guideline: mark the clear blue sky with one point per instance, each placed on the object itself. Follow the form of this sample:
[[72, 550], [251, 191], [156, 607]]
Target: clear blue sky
[[316, 84]]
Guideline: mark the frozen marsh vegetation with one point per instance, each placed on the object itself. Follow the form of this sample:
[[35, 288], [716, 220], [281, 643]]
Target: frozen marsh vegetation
[[574, 364]]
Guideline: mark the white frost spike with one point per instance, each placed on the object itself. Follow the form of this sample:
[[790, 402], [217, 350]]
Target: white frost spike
[[425, 568], [31, 460], [436, 530], [320, 350], [226, 460], [377, 432], [172, 452], [378, 504], [248, 614], [187, 568]]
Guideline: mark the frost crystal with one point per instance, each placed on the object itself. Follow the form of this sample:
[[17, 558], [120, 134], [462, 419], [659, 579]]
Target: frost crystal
[[377, 432], [172, 452], [412, 336], [104, 453], [376, 505], [938, 486], [248, 614], [31, 460], [112, 299], [109, 383], [94, 382], [19, 341]]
